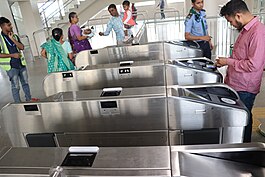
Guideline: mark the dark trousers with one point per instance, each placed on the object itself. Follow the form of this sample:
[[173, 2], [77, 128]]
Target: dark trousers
[[205, 47], [248, 99]]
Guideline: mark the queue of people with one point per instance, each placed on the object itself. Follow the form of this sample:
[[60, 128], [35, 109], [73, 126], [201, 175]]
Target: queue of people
[[245, 65]]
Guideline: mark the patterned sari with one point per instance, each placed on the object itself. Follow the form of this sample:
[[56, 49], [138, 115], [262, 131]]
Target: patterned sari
[[57, 58]]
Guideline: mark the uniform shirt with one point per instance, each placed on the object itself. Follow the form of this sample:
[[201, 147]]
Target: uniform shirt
[[116, 24], [193, 24], [12, 48], [245, 67]]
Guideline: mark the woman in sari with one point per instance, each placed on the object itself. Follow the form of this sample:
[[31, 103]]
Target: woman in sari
[[79, 42], [58, 53]]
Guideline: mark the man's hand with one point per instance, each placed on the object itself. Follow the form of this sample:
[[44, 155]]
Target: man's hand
[[206, 38], [15, 55], [211, 45], [87, 31], [221, 61], [19, 45], [10, 35], [101, 34]]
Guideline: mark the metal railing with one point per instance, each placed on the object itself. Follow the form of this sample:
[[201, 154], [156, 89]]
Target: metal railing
[[218, 28], [166, 11], [27, 49], [62, 24], [43, 8], [140, 37], [223, 34], [57, 12], [94, 21], [47, 36]]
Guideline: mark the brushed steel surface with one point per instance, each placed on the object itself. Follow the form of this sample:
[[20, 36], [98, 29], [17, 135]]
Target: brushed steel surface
[[187, 112], [148, 51], [138, 74], [107, 76], [138, 116], [218, 160], [136, 110], [194, 161], [118, 161], [114, 139]]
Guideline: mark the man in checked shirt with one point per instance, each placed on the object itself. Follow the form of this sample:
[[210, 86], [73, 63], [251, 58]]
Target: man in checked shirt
[[116, 24], [245, 66]]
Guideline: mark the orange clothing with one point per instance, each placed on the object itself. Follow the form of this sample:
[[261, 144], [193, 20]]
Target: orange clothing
[[128, 18]]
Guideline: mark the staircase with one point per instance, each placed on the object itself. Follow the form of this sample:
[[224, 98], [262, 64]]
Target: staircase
[[85, 9], [54, 12]]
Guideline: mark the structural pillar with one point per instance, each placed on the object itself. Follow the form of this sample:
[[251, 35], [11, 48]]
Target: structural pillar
[[5, 11], [32, 23]]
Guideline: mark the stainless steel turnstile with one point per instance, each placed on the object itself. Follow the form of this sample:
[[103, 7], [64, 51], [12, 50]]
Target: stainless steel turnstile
[[228, 160], [194, 161], [146, 116], [215, 108], [134, 74], [148, 51], [118, 161]]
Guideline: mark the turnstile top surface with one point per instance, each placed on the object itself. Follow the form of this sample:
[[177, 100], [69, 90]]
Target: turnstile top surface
[[202, 63], [215, 93], [123, 93], [107, 158], [33, 157], [147, 51], [125, 64], [216, 160]]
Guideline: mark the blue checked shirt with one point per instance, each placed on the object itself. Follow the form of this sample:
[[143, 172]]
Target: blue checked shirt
[[116, 24]]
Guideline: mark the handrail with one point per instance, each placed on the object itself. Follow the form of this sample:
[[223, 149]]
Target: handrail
[[63, 23], [158, 11], [97, 19], [27, 37], [104, 16], [140, 33], [35, 41], [43, 10], [260, 13], [142, 12], [58, 10]]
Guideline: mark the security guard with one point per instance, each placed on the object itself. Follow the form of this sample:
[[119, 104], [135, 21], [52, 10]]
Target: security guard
[[196, 28], [12, 60]]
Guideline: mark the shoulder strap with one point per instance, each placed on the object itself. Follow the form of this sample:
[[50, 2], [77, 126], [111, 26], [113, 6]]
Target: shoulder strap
[[198, 19]]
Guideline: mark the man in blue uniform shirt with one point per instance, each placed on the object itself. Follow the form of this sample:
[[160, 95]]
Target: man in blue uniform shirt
[[196, 28]]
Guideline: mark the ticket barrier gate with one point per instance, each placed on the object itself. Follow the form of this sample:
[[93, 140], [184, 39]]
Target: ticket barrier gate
[[147, 116], [143, 52], [128, 74], [176, 161]]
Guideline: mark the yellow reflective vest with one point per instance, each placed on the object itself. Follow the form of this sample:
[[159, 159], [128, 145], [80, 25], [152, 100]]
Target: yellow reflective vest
[[5, 62]]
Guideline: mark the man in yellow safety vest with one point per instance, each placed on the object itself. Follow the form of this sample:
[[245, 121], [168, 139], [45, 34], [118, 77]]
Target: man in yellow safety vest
[[12, 60]]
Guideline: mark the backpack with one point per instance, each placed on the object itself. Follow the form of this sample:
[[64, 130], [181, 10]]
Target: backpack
[[134, 12]]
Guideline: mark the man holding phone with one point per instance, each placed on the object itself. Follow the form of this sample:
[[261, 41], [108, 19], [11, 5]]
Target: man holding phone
[[245, 66]]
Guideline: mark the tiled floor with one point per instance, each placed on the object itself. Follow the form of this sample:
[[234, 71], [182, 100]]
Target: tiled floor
[[258, 117], [37, 72]]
